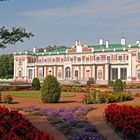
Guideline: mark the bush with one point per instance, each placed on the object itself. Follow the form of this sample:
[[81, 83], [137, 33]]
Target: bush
[[0, 98], [125, 119], [7, 99], [118, 86], [14, 126], [111, 83], [50, 90], [36, 84], [90, 81]]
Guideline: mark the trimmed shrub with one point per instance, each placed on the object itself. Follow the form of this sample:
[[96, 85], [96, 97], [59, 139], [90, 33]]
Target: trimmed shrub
[[118, 86], [36, 84], [90, 81], [7, 99], [111, 83], [50, 90]]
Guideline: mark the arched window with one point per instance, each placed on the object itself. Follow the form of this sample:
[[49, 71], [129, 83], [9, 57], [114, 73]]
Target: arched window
[[100, 73], [20, 74], [138, 74], [67, 73]]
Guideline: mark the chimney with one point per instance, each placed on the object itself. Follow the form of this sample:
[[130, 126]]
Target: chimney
[[107, 44], [101, 42], [45, 50], [34, 50], [123, 41], [137, 42]]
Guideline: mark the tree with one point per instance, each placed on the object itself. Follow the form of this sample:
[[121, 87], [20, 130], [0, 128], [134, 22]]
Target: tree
[[6, 66], [118, 86], [50, 90], [11, 37], [36, 84]]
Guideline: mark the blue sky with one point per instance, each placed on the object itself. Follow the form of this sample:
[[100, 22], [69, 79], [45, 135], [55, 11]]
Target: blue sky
[[61, 22]]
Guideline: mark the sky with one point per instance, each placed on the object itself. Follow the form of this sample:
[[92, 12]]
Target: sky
[[62, 22]]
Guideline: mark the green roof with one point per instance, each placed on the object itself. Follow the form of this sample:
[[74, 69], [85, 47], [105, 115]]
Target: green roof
[[111, 47]]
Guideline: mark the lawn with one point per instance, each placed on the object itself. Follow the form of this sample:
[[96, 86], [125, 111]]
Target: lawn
[[134, 104], [32, 94]]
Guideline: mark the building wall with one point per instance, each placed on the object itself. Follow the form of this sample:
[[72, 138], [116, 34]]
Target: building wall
[[78, 63]]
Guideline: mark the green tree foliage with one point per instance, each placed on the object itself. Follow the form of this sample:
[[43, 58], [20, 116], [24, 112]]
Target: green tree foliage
[[36, 84], [6, 66], [118, 86], [11, 37], [50, 90], [52, 48]]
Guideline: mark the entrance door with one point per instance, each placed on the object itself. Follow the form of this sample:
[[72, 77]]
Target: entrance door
[[67, 73]]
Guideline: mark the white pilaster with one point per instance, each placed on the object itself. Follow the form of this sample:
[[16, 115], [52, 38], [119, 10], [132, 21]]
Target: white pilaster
[[81, 72], [119, 77], [106, 72], [93, 72], [35, 71], [54, 70], [129, 69], [15, 70], [25, 68], [44, 71]]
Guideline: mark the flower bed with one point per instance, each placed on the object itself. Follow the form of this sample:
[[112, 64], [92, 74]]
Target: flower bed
[[72, 122], [14, 126], [125, 119]]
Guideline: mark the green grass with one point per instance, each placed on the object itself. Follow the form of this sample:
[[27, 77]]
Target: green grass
[[135, 104], [32, 94]]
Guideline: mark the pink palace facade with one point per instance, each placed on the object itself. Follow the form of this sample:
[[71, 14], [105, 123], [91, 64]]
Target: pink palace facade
[[103, 62]]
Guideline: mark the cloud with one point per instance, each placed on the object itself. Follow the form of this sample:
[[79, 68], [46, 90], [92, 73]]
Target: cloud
[[89, 9]]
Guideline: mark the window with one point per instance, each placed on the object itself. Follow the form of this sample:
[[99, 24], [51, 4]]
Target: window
[[87, 59], [71, 59], [20, 61], [138, 55], [97, 58], [40, 73], [76, 73], [120, 57], [100, 72], [50, 72], [138, 74], [19, 73], [62, 60], [30, 73], [53, 60], [123, 73], [114, 73], [127, 57], [79, 59], [59, 74], [108, 58]]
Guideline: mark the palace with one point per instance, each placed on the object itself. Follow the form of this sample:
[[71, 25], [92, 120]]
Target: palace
[[103, 62]]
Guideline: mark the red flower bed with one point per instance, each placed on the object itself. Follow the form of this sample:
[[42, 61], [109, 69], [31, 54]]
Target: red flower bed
[[14, 126], [125, 119]]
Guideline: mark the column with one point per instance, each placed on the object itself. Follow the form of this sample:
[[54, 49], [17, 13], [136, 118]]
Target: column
[[129, 68], [54, 71], [15, 70], [81, 72], [106, 72], [93, 71], [36, 75], [44, 71], [119, 77]]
